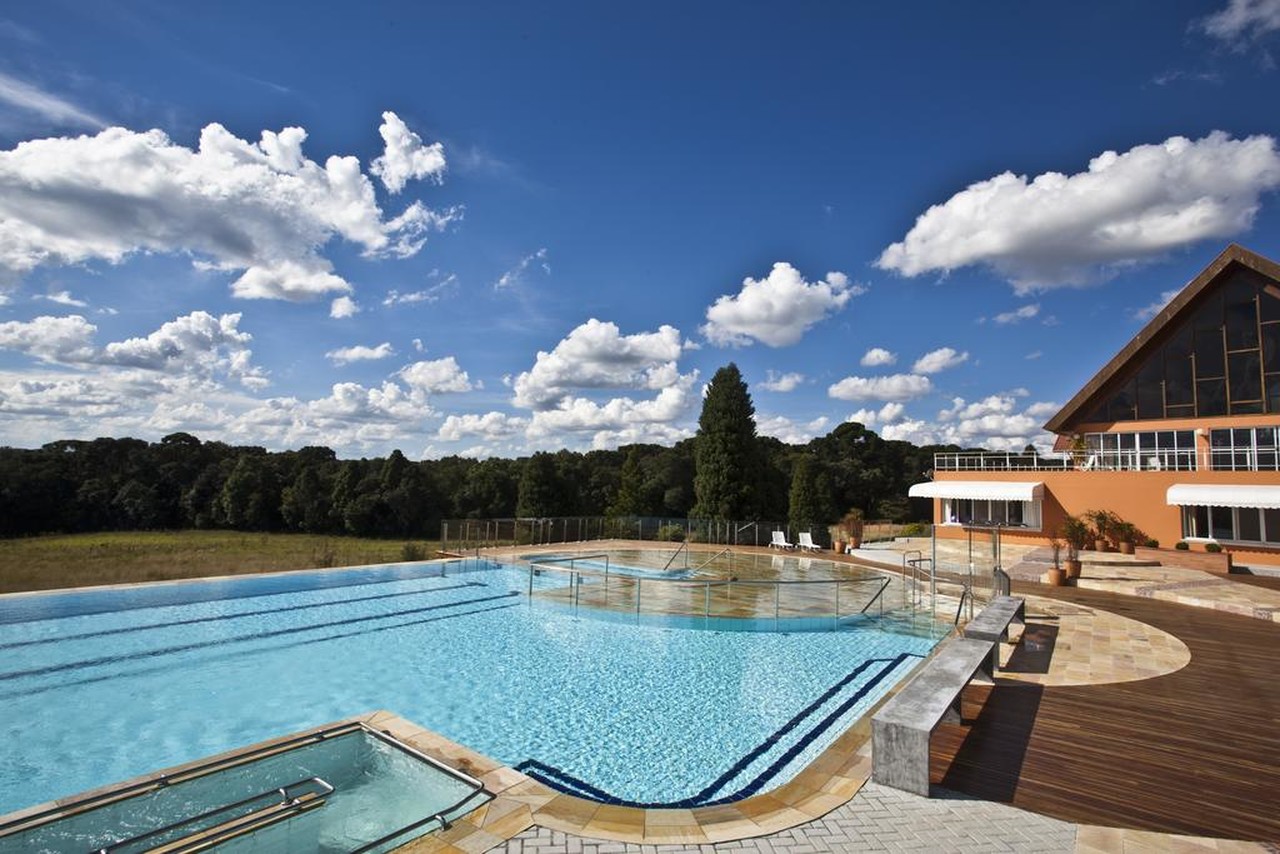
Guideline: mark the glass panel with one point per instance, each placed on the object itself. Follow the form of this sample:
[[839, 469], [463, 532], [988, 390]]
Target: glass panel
[[1177, 380], [1271, 346], [1166, 439], [1271, 520], [1273, 393], [999, 512], [1209, 315], [1246, 376], [1127, 441], [1209, 353], [1249, 523], [1264, 437], [1211, 397], [1200, 522], [1150, 389], [1221, 525], [1186, 439], [1253, 407], [1180, 411], [1121, 406], [1269, 303], [1242, 325], [1015, 512], [1147, 441]]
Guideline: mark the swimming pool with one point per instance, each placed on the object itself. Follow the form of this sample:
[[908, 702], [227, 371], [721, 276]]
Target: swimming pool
[[102, 685]]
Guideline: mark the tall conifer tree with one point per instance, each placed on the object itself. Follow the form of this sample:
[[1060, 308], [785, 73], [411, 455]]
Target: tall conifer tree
[[725, 452]]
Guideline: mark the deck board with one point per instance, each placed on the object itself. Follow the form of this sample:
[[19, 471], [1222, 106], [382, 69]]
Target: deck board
[[1196, 751]]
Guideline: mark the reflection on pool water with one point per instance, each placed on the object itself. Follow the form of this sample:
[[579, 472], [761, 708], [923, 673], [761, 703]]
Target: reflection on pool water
[[99, 686]]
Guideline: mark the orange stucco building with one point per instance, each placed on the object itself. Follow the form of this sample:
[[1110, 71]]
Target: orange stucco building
[[1179, 434]]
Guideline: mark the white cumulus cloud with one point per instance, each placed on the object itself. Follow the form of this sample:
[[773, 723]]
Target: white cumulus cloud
[[939, 360], [1018, 315], [51, 339], [781, 382], [360, 353], [887, 414], [490, 426], [896, 387], [1057, 229], [343, 307], [405, 157], [878, 357], [596, 355], [258, 209], [792, 432], [776, 310], [436, 376]]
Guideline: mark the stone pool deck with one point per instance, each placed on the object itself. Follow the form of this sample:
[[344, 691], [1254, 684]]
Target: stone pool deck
[[1070, 645]]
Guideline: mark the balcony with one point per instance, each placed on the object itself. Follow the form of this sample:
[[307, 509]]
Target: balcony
[[1143, 460]]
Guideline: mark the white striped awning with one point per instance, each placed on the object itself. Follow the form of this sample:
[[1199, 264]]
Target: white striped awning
[[982, 490], [1223, 495]]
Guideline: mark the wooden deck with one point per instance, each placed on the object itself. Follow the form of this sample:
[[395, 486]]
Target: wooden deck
[[1196, 751]]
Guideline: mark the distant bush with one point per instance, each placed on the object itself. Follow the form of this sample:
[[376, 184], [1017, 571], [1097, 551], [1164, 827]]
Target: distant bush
[[412, 552], [1212, 548], [1181, 546], [671, 533], [915, 529]]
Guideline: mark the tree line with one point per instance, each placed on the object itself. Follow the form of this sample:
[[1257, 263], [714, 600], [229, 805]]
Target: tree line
[[726, 471]]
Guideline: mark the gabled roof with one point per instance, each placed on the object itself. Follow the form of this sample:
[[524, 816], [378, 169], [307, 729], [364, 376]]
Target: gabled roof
[[1231, 256]]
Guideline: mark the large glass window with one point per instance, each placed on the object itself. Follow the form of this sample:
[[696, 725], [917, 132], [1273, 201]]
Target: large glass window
[[1172, 450], [972, 511], [1233, 524], [1244, 449], [1223, 360]]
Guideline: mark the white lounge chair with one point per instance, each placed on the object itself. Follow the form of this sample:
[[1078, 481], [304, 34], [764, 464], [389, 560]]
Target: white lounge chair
[[779, 541], [807, 543]]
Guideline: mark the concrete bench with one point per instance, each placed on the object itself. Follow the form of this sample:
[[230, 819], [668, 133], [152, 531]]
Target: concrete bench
[[993, 622], [900, 730]]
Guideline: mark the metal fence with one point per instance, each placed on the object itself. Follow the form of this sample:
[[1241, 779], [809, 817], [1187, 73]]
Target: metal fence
[[460, 534]]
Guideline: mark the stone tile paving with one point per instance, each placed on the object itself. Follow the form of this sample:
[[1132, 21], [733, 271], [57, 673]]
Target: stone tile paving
[[878, 819]]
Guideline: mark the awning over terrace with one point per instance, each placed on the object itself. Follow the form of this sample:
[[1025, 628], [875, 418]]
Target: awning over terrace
[[981, 490], [1223, 495]]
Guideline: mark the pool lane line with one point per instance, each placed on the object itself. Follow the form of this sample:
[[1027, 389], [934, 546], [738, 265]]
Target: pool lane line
[[152, 653], [191, 621], [328, 574], [563, 781], [43, 689]]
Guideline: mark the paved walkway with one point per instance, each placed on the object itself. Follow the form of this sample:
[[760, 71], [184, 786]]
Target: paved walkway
[[878, 819]]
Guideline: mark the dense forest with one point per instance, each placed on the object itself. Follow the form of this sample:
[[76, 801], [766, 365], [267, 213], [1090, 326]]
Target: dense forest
[[182, 482]]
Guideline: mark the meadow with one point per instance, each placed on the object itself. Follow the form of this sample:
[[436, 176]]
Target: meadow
[[79, 560]]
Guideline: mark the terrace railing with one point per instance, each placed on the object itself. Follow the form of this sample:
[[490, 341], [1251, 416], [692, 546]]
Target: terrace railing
[[1123, 460]]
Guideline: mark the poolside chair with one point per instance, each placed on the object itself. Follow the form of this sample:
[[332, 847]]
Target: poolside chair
[[807, 543], [779, 541]]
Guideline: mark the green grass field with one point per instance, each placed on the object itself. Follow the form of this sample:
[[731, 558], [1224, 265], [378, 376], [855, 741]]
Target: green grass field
[[44, 563]]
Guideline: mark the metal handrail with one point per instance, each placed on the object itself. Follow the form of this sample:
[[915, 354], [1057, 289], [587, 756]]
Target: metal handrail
[[441, 816], [884, 585], [707, 562], [286, 800], [684, 547], [576, 576]]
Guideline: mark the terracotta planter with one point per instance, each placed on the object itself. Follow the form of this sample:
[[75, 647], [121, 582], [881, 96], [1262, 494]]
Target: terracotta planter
[[1099, 545], [1072, 568], [1056, 577], [838, 547], [1126, 548]]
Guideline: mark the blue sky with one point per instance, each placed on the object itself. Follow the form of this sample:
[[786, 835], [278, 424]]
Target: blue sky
[[494, 228]]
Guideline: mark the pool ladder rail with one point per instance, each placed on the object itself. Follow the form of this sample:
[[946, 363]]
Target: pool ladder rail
[[289, 802]]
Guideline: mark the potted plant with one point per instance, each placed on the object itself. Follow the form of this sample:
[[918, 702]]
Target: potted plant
[[1101, 521], [1126, 535], [1076, 533], [851, 527], [1057, 575]]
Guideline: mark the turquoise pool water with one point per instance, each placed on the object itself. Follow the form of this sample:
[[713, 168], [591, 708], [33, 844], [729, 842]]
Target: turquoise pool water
[[100, 686]]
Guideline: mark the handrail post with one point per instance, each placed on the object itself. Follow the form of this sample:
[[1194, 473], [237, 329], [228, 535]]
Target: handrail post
[[638, 580], [777, 590], [706, 599], [837, 619]]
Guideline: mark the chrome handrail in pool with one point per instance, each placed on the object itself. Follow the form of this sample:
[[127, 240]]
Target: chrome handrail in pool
[[288, 805], [577, 577]]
